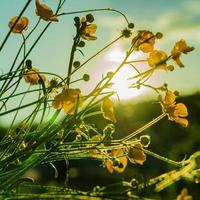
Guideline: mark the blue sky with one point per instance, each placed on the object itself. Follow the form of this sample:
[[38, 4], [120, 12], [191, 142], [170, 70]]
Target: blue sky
[[177, 19]]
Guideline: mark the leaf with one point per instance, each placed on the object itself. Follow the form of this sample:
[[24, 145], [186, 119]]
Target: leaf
[[107, 110]]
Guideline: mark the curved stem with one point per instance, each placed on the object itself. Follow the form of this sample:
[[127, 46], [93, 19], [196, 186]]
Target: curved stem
[[95, 10], [131, 135]]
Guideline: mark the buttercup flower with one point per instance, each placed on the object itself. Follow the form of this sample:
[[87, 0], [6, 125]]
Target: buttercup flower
[[44, 11], [145, 41], [107, 108], [31, 76], [179, 48], [158, 59], [88, 30], [68, 100], [53, 85], [184, 195], [21, 25], [175, 111], [121, 161], [136, 154]]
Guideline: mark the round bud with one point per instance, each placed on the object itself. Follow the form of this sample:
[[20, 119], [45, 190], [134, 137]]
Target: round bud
[[176, 93], [170, 67], [110, 74], [86, 77], [116, 163], [131, 25], [89, 18], [81, 44], [145, 140], [76, 64], [29, 64], [138, 86], [165, 85], [159, 35], [77, 19]]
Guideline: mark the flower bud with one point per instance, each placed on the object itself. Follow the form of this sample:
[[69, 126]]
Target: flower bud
[[28, 64], [145, 140], [159, 35], [81, 44], [131, 25], [110, 74], [89, 18], [76, 64], [86, 77]]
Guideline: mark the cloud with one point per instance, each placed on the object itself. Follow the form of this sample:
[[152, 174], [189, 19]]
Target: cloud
[[178, 22], [111, 21], [183, 20]]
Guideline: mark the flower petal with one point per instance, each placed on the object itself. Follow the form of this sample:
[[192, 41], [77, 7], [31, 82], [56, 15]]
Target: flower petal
[[136, 154], [107, 108]]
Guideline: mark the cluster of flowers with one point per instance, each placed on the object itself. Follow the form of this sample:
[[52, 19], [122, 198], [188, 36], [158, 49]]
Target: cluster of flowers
[[69, 99]]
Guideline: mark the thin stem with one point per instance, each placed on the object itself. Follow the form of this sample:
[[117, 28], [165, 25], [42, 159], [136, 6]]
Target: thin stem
[[76, 39], [17, 110], [135, 61], [17, 55], [167, 160], [98, 52], [131, 135], [95, 10]]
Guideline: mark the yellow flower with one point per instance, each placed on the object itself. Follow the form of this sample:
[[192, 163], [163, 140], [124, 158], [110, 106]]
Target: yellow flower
[[107, 108], [136, 154], [121, 161], [68, 100], [44, 11], [21, 24], [184, 195], [145, 41], [175, 111], [31, 76], [158, 59], [179, 48], [88, 30], [170, 98]]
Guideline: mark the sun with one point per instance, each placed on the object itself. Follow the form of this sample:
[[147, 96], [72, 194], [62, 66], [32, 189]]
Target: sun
[[121, 83]]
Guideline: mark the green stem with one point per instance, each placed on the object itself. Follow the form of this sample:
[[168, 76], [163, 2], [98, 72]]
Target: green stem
[[166, 160], [76, 39], [95, 10], [131, 135]]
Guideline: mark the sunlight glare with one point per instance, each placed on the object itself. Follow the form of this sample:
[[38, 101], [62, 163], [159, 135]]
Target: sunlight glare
[[120, 80], [121, 84]]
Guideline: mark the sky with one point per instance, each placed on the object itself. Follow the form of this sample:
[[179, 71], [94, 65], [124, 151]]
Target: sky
[[175, 19]]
